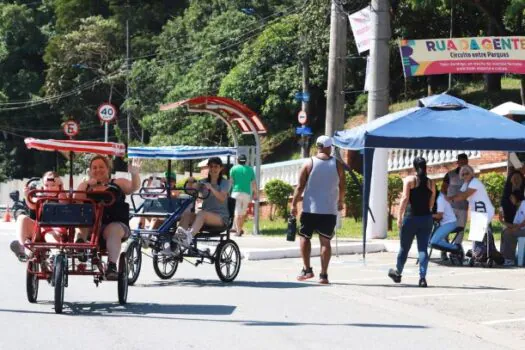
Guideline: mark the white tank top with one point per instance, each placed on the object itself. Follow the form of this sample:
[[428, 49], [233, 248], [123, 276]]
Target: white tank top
[[322, 188]]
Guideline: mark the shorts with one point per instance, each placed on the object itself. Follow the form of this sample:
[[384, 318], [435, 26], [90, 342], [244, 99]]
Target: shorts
[[323, 224], [242, 200], [127, 231]]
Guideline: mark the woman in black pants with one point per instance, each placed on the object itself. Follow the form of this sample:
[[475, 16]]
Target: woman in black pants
[[415, 219]]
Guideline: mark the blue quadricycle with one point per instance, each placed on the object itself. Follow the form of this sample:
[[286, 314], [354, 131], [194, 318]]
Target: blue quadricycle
[[167, 204]]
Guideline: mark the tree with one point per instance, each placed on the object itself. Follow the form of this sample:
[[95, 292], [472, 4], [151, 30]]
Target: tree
[[278, 193], [89, 58], [353, 197], [395, 186], [494, 184]]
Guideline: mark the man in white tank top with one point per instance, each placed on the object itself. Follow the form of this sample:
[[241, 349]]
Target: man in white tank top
[[323, 183]]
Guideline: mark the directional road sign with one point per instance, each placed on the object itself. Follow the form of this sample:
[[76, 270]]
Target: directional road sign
[[303, 130]]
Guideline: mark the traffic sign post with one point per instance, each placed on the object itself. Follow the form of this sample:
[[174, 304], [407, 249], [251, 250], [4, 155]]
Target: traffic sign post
[[302, 118], [71, 128], [106, 113]]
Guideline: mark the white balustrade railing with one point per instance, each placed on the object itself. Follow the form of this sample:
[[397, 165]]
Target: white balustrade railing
[[399, 159], [286, 171]]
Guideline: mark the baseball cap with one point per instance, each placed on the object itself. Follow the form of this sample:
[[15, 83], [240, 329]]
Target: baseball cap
[[242, 158], [324, 141]]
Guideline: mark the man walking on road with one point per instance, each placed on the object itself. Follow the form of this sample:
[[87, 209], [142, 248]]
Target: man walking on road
[[244, 187], [322, 180]]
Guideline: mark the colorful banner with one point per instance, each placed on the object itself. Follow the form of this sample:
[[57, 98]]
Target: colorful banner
[[463, 55]]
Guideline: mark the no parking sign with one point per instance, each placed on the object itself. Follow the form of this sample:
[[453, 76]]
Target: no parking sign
[[71, 128]]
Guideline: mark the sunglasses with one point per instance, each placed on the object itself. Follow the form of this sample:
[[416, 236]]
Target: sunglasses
[[50, 179]]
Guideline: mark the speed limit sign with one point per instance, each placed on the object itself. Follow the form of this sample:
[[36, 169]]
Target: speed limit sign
[[302, 118], [106, 112], [71, 128]]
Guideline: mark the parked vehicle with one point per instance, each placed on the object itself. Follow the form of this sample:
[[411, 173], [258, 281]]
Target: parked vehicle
[[19, 206]]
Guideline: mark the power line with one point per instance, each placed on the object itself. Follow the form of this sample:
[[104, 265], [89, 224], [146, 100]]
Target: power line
[[18, 105]]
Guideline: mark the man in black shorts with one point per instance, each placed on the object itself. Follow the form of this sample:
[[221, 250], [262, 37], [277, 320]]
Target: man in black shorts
[[322, 181]]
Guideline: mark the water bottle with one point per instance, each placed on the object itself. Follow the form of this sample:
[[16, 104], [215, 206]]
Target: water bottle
[[292, 228]]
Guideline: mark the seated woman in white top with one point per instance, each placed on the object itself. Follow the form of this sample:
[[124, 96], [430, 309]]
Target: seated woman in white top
[[474, 191], [447, 223]]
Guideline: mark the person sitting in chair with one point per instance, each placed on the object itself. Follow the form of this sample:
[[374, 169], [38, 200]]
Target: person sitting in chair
[[25, 224], [214, 210], [115, 218], [447, 223]]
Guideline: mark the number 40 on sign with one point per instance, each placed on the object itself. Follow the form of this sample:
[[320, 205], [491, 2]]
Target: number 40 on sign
[[106, 112]]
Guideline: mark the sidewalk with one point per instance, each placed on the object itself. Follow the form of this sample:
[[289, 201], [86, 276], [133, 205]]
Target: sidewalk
[[265, 248]]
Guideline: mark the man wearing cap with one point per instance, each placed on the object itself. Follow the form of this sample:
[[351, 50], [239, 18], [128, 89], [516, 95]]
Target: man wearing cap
[[244, 188], [322, 181], [452, 183]]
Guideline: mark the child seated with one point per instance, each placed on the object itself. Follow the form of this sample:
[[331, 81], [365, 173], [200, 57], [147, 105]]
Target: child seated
[[51, 181], [447, 223]]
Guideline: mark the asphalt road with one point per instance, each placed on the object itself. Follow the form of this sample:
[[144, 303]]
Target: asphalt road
[[463, 308]]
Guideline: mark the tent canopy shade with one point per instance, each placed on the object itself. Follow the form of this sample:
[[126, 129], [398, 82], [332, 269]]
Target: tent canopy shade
[[509, 108], [439, 122]]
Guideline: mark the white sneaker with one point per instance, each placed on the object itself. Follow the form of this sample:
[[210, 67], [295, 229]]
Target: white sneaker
[[184, 236]]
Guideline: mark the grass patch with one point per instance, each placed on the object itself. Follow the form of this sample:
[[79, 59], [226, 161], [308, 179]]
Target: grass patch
[[278, 227], [474, 93], [350, 229]]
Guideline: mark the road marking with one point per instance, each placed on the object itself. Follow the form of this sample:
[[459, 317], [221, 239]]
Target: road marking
[[504, 321], [469, 293]]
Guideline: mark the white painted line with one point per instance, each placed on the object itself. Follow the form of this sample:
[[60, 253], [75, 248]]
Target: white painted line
[[504, 321], [469, 293]]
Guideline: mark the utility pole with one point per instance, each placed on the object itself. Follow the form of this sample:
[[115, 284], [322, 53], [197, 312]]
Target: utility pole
[[127, 74], [451, 32], [305, 145], [378, 98], [336, 70]]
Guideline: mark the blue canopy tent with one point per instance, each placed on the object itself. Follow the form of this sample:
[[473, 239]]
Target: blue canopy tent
[[440, 122]]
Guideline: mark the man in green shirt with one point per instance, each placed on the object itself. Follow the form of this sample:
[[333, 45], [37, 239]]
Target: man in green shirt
[[244, 188]]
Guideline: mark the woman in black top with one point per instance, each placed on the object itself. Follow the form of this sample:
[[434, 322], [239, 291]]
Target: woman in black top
[[515, 182], [115, 219], [415, 219]]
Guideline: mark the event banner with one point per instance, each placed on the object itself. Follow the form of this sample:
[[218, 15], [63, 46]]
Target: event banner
[[362, 28], [463, 55]]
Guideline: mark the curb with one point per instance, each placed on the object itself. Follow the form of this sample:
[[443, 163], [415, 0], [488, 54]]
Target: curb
[[283, 253]]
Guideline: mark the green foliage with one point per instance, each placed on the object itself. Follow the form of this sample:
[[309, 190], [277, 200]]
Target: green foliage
[[395, 187], [278, 192], [353, 198], [494, 184], [361, 104]]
